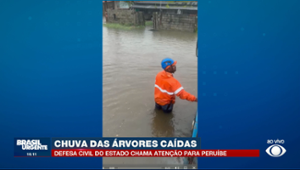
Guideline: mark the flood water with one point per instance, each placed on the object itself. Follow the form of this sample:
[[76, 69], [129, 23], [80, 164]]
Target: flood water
[[131, 60]]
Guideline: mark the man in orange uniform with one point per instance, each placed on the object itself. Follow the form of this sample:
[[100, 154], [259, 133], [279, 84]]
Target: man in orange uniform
[[167, 87]]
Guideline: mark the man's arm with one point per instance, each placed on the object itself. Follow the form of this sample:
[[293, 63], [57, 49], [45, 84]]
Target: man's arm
[[181, 93], [186, 96]]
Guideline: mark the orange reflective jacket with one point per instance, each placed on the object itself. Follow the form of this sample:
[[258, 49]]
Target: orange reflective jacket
[[167, 87]]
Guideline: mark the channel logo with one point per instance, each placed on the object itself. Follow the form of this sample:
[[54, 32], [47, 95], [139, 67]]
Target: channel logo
[[32, 147], [276, 150], [34, 144]]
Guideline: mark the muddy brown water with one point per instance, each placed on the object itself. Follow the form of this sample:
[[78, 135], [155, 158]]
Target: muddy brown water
[[131, 60]]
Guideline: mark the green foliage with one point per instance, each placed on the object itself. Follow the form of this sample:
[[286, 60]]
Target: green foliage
[[148, 23], [117, 26], [122, 26]]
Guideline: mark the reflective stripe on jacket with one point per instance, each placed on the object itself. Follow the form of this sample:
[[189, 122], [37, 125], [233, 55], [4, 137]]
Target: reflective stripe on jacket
[[167, 87]]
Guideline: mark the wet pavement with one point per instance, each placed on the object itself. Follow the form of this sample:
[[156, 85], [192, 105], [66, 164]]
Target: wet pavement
[[131, 60]]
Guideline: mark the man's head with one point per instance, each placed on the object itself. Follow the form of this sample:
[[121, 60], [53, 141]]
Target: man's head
[[169, 65]]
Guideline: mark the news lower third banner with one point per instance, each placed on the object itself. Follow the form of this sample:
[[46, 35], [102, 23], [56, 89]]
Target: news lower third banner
[[120, 147]]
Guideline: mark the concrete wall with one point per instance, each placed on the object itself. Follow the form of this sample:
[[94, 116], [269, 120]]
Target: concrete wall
[[181, 22], [110, 5], [125, 17]]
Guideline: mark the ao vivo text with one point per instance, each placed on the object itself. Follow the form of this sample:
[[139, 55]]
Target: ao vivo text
[[154, 153]]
